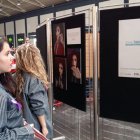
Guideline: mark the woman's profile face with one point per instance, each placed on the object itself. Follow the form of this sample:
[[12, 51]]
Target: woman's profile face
[[74, 60], [5, 59], [60, 69], [57, 31]]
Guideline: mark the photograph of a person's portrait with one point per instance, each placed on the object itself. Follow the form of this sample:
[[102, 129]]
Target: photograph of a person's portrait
[[74, 65], [60, 73], [58, 32]]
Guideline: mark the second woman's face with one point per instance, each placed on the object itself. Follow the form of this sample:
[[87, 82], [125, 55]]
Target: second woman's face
[[5, 59], [57, 31], [60, 69], [74, 60]]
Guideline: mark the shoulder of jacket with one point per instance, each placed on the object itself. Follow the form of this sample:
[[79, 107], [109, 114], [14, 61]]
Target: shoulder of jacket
[[3, 92], [31, 79], [28, 77]]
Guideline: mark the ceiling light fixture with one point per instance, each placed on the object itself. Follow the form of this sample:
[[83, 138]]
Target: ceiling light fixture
[[18, 3], [0, 9]]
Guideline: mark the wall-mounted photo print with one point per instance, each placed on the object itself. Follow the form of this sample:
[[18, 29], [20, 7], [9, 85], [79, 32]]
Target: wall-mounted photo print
[[59, 39], [60, 73], [74, 65]]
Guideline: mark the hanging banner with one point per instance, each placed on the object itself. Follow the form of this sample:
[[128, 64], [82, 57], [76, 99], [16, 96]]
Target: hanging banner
[[68, 43]]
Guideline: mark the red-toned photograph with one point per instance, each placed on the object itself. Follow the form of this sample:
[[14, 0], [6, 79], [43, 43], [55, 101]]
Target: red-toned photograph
[[74, 65], [59, 39], [60, 73]]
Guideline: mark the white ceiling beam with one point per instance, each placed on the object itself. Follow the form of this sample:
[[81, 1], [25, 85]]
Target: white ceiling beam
[[2, 14], [41, 4], [7, 14], [9, 7], [22, 10], [33, 3]]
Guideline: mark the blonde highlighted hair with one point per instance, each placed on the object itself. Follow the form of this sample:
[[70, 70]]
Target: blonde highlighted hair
[[28, 59]]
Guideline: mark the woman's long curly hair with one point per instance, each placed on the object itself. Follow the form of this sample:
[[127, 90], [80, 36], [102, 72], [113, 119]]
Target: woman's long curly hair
[[29, 60]]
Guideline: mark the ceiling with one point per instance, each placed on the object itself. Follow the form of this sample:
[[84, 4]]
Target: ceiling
[[13, 7]]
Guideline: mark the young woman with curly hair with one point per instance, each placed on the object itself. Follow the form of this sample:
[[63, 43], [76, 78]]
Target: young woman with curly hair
[[31, 79]]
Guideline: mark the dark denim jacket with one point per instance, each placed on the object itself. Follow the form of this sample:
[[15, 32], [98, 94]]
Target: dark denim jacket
[[36, 103], [11, 121]]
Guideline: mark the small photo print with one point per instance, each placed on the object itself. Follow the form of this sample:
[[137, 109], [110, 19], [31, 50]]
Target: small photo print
[[58, 39], [74, 65], [60, 78]]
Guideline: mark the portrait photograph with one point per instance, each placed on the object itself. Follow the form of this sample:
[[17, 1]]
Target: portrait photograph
[[58, 40], [60, 73], [74, 65]]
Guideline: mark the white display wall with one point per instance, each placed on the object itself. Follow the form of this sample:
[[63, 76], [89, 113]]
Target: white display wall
[[137, 3], [10, 28], [111, 4], [19, 24], [65, 12], [2, 29], [88, 16], [45, 16], [32, 23]]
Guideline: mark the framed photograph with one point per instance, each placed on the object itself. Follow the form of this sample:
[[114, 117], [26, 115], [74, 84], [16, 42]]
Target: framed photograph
[[58, 43], [74, 65], [60, 78]]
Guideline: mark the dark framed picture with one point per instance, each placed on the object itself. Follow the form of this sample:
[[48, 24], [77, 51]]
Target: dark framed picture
[[60, 79], [59, 39], [74, 65]]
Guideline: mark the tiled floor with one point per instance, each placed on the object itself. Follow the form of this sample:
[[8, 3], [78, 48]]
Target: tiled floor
[[78, 125], [118, 130], [74, 124]]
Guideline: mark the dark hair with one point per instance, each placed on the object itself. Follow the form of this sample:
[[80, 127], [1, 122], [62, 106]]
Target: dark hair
[[5, 78], [74, 52], [2, 40]]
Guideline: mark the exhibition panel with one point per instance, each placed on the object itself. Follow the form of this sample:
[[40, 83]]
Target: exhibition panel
[[41, 36], [119, 64], [68, 45], [76, 124]]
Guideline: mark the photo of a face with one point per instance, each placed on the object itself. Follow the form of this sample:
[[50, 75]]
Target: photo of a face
[[60, 73], [74, 65], [59, 39], [74, 60]]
